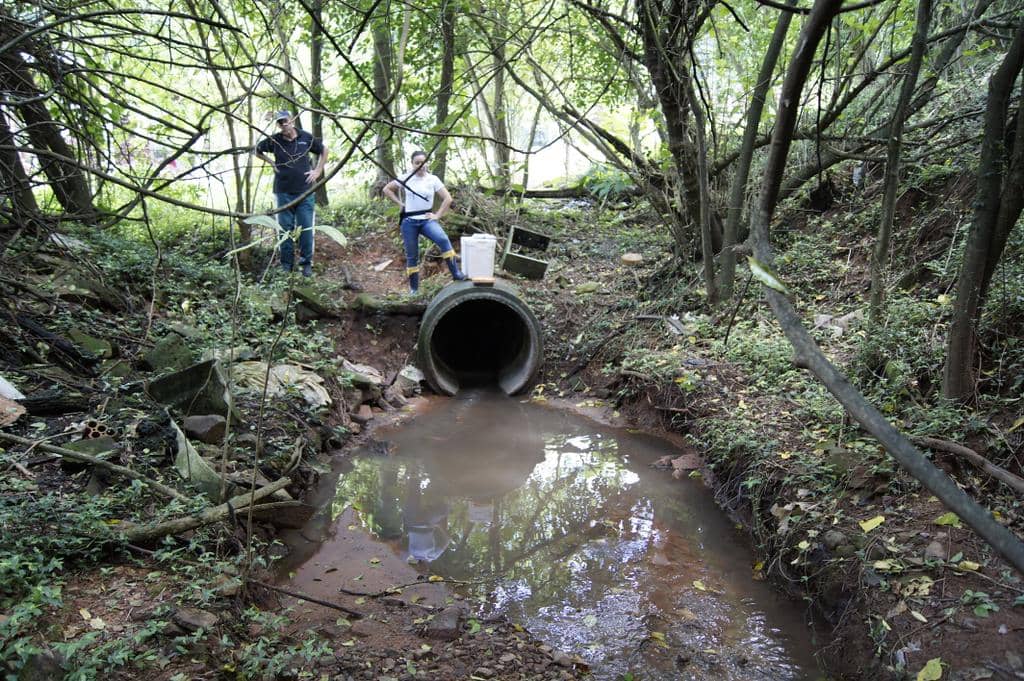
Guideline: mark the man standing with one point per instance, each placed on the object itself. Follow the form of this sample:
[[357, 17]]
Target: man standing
[[294, 176], [418, 217]]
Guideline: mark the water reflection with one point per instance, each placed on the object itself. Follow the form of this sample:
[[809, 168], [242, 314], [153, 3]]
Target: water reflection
[[581, 541]]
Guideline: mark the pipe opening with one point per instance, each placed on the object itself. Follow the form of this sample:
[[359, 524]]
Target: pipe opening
[[478, 340], [473, 337]]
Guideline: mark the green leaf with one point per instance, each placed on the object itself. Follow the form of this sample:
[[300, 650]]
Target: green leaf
[[474, 626], [931, 671], [764, 274], [948, 519], [261, 220], [333, 233]]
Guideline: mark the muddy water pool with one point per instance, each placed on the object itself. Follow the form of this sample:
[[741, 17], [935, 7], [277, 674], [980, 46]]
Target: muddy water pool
[[561, 525]]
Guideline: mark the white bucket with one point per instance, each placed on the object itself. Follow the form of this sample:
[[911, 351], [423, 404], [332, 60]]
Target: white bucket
[[478, 256]]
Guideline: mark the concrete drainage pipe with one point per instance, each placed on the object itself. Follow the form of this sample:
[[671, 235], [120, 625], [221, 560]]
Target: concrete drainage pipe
[[474, 336]]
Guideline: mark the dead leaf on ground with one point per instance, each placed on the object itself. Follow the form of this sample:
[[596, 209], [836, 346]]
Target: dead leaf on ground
[[10, 411]]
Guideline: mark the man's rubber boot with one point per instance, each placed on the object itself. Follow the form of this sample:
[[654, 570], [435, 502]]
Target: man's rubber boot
[[453, 265], [414, 279]]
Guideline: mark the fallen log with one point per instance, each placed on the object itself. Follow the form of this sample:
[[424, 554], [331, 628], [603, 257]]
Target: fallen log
[[997, 472], [145, 533], [86, 458], [368, 303], [54, 404]]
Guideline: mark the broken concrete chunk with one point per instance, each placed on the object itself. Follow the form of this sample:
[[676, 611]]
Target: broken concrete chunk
[[97, 446], [316, 304], [363, 375], [69, 242], [169, 354], [198, 389], [94, 346], [196, 470], [208, 428], [409, 380]]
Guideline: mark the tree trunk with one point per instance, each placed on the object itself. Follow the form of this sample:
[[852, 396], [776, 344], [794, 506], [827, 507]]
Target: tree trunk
[[738, 190], [382, 78], [445, 87], [15, 181], [500, 121], [984, 248], [666, 37], [65, 178], [706, 245], [316, 85], [892, 163]]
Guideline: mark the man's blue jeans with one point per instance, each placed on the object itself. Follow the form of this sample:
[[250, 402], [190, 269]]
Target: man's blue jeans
[[301, 215], [411, 230]]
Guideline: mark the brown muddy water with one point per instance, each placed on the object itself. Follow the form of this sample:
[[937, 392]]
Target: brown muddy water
[[561, 525]]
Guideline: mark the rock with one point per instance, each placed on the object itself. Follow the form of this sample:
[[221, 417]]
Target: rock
[[186, 331], [631, 259], [361, 629], [94, 346], [445, 625], [363, 415], [846, 551], [115, 367], [250, 441], [484, 672], [197, 389], [409, 380], [562, 659], [170, 354], [834, 539], [227, 585], [208, 428], [587, 287], [45, 665], [194, 619], [936, 551]]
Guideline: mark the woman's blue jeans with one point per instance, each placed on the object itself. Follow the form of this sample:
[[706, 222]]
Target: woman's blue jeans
[[301, 215], [411, 231]]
